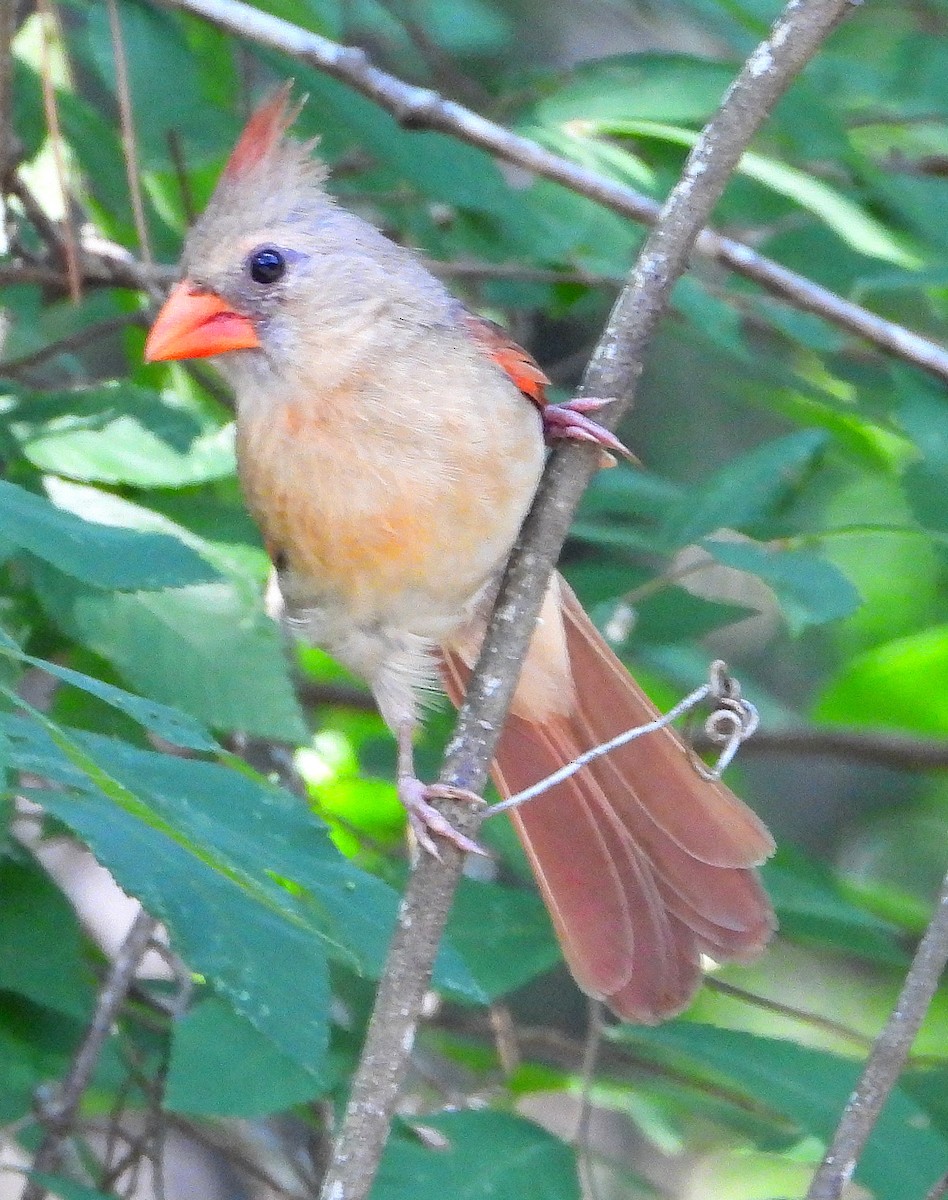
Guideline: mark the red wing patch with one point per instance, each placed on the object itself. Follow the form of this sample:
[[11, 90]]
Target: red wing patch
[[522, 368]]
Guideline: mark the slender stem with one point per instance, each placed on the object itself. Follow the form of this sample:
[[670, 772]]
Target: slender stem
[[58, 1114], [886, 1060]]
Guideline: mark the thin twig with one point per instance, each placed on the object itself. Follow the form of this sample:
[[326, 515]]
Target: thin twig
[[940, 1190], [9, 17], [58, 1113], [803, 1015], [70, 240], [420, 108], [886, 1060], [74, 341], [587, 1073], [614, 371], [127, 125]]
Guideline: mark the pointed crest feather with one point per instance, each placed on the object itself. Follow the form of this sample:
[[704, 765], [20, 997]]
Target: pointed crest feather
[[263, 132]]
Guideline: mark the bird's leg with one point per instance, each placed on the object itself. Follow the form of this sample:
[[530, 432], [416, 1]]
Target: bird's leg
[[572, 422], [416, 796]]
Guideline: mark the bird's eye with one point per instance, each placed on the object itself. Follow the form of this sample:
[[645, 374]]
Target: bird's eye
[[267, 265]]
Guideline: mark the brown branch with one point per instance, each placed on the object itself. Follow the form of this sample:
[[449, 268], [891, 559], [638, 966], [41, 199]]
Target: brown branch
[[9, 20], [58, 1114], [127, 127], [419, 108], [886, 1060], [614, 371]]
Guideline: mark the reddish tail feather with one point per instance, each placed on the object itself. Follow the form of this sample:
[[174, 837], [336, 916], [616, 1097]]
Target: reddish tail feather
[[644, 865]]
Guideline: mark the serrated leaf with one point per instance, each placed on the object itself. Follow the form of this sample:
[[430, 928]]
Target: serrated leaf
[[194, 648], [811, 590], [485, 1156], [103, 556], [169, 723]]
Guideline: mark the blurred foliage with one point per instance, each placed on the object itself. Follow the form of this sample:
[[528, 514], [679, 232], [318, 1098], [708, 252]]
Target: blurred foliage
[[790, 516]]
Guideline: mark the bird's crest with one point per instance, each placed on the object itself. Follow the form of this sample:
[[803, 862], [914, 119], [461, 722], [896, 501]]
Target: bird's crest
[[263, 133]]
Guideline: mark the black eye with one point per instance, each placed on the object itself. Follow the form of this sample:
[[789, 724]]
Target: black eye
[[267, 265]]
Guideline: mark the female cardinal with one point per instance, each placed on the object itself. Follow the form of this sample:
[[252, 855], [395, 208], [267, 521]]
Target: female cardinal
[[389, 444]]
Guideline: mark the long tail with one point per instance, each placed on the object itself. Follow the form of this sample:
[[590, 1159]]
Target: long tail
[[643, 864]]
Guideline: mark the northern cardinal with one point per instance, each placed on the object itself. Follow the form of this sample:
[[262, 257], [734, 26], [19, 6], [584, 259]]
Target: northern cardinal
[[389, 444]]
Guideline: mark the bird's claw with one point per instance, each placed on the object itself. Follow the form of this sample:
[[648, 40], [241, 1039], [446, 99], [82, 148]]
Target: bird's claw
[[426, 820], [571, 422]]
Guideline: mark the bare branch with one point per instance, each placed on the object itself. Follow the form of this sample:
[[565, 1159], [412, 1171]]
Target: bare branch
[[127, 125], [58, 1114], [419, 108], [613, 372], [74, 341], [888, 1057]]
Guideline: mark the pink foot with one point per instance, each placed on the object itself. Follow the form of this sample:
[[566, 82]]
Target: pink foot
[[425, 819], [570, 421]]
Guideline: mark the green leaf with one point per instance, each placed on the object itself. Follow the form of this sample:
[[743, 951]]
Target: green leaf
[[100, 555], [850, 222], [247, 880], [221, 1066], [200, 846], [810, 589], [882, 686], [810, 905], [745, 490], [811, 1087], [34, 917], [121, 434], [660, 87], [36, 1045], [194, 648], [923, 417], [486, 1156], [169, 723], [503, 934]]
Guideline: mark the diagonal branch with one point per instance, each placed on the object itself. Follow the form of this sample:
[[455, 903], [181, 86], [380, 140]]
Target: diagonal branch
[[884, 1065], [420, 108], [613, 372]]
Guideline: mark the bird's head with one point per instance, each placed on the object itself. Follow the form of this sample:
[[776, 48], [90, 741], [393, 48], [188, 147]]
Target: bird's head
[[274, 271]]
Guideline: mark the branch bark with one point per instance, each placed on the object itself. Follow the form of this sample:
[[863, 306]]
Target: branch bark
[[420, 108], [885, 1062], [614, 371]]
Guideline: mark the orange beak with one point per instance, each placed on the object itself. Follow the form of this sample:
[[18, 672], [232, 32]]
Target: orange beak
[[196, 324]]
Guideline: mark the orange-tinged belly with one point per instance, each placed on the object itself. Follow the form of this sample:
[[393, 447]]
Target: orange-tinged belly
[[375, 530]]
